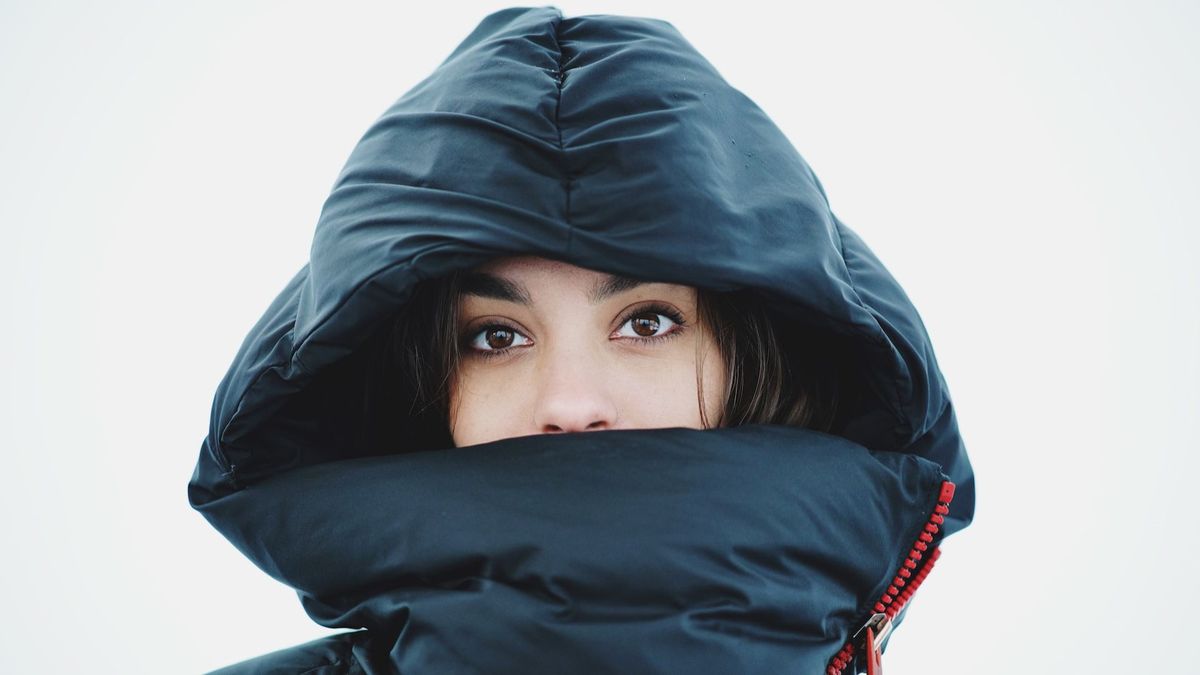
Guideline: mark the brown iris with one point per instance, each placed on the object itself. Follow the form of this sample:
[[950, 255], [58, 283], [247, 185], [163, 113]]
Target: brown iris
[[498, 338], [645, 325]]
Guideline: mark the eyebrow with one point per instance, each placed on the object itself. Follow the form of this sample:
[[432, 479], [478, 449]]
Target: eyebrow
[[486, 285]]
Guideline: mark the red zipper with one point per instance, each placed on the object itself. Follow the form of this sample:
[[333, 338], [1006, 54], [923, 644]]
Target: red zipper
[[868, 640]]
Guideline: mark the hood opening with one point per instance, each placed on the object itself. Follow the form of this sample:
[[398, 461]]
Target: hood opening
[[364, 404]]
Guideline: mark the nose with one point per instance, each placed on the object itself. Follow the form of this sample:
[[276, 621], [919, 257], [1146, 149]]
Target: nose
[[573, 396]]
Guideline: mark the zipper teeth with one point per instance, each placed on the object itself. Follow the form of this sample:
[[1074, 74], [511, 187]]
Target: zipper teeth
[[908, 578]]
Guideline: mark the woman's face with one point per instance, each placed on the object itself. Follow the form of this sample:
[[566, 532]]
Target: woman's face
[[548, 347]]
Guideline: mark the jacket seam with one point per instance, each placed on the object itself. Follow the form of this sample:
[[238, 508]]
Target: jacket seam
[[559, 76]]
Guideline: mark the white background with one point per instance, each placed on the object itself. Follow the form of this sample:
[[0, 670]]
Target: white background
[[1028, 171]]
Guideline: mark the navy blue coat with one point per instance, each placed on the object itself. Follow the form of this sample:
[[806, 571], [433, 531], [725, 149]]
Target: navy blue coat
[[610, 143]]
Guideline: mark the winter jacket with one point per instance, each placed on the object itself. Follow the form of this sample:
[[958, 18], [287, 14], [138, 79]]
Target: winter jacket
[[607, 142]]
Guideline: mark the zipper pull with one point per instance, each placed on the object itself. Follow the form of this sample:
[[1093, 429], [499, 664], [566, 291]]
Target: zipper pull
[[868, 641]]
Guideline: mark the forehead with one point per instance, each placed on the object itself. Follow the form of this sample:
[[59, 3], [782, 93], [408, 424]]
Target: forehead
[[526, 267], [521, 278]]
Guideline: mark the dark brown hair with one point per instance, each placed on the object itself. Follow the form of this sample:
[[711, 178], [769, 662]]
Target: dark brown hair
[[777, 374]]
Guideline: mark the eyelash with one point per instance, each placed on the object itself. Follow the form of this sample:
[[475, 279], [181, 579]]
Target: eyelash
[[653, 308]]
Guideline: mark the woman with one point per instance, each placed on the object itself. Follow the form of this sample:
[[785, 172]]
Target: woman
[[575, 225]]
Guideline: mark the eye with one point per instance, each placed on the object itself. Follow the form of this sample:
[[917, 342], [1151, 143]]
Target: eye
[[496, 338], [647, 323]]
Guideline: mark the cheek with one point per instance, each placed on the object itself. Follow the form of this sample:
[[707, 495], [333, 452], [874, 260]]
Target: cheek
[[484, 405], [659, 392]]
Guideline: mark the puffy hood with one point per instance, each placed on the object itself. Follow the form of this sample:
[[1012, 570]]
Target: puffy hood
[[610, 143]]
